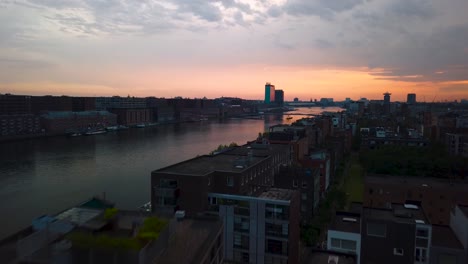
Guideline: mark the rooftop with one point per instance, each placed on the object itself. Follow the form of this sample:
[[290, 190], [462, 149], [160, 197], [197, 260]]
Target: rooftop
[[347, 222], [443, 236], [190, 241], [327, 257], [277, 194], [414, 181], [399, 213], [206, 164]]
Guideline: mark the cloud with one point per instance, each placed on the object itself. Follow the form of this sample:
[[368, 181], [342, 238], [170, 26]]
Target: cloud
[[326, 9]]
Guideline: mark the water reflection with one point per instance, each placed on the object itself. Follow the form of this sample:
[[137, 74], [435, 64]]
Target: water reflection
[[47, 175]]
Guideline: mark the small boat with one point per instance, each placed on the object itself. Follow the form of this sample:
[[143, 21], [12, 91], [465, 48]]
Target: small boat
[[289, 117], [140, 126], [75, 134], [145, 207], [95, 132]]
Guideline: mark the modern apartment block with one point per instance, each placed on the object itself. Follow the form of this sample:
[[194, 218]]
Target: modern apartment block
[[261, 223], [259, 229], [398, 234]]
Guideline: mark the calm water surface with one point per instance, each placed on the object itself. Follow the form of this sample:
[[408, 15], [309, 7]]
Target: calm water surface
[[45, 176]]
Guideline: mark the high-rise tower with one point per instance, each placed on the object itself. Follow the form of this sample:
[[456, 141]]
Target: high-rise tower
[[269, 93]]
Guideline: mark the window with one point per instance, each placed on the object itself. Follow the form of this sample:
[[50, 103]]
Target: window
[[422, 233], [398, 251], [304, 196], [229, 180], [209, 181], [348, 245], [304, 184], [371, 191], [376, 229], [295, 184], [421, 254], [212, 200]]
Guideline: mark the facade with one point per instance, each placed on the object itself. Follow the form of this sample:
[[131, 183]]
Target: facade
[[456, 144], [14, 104], [279, 97], [132, 116], [236, 184], [41, 104], [247, 170], [344, 234], [261, 229], [411, 98], [307, 182], [19, 124], [269, 93], [399, 234], [66, 122], [83, 104], [104, 103], [320, 160], [436, 196]]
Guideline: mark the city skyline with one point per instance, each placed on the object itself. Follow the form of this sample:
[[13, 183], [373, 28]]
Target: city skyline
[[192, 49]]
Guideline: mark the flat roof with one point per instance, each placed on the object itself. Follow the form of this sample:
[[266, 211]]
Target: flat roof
[[346, 222], [426, 182], [204, 165], [190, 241], [398, 213], [78, 215], [443, 236], [277, 194]]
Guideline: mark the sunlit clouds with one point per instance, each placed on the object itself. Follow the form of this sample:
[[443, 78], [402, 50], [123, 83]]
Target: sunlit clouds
[[196, 48]]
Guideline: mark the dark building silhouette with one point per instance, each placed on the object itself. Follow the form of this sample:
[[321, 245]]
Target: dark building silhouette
[[279, 97], [411, 98]]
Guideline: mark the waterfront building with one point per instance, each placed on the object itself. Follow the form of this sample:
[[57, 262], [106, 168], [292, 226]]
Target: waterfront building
[[269, 93], [261, 223], [67, 122], [41, 104], [132, 116], [14, 104], [457, 144], [19, 124]]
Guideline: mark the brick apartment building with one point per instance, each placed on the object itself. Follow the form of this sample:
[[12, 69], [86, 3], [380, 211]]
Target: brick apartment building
[[261, 222]]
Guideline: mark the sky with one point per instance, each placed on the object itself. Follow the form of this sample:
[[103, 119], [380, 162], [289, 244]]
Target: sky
[[212, 48]]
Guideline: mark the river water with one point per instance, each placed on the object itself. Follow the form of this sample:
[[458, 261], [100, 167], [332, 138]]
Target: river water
[[48, 175]]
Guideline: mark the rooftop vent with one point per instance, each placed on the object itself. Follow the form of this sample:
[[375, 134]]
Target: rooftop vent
[[180, 215], [349, 219], [239, 167], [411, 206]]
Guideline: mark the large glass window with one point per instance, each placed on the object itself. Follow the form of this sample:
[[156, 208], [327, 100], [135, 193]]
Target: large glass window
[[275, 211], [348, 245]]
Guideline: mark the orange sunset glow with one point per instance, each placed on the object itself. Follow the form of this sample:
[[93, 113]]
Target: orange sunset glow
[[231, 48]]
